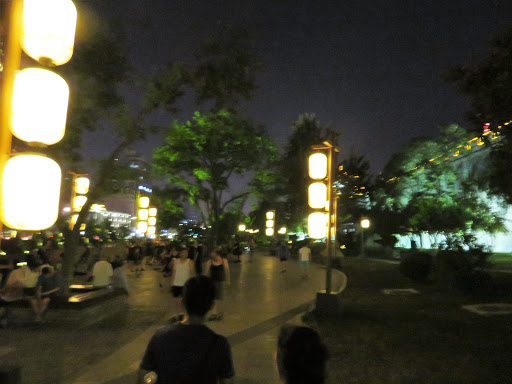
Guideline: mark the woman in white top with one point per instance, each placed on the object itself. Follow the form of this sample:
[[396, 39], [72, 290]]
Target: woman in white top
[[182, 270]]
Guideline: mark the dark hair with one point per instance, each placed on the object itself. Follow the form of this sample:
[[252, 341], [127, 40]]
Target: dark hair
[[32, 262], [198, 295], [301, 355], [46, 270]]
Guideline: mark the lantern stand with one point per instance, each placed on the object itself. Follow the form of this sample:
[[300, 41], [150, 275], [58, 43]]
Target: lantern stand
[[10, 66], [327, 302]]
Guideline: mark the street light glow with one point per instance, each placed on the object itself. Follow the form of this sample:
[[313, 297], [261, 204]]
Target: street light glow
[[317, 166], [23, 206], [317, 225], [48, 32], [317, 194], [39, 106]]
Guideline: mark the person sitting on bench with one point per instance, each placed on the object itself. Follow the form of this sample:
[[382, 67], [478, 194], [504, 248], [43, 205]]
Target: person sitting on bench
[[47, 288]]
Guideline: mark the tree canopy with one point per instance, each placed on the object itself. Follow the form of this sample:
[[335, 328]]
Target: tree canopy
[[202, 156]]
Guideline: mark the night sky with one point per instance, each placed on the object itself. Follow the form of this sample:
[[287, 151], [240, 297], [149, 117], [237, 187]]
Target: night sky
[[370, 68]]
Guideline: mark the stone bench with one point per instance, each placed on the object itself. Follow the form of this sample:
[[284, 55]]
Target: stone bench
[[82, 308]]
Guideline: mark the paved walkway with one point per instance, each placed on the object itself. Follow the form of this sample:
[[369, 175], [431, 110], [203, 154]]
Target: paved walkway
[[258, 302]]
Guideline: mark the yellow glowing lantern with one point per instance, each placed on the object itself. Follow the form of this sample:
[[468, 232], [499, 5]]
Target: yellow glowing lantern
[[152, 221], [151, 230], [39, 106], [23, 206], [78, 203], [365, 223], [82, 185], [143, 214], [241, 227], [317, 195], [142, 226], [72, 220], [144, 202], [282, 231], [269, 223], [269, 231], [49, 30], [317, 225], [152, 212], [270, 215], [318, 166]]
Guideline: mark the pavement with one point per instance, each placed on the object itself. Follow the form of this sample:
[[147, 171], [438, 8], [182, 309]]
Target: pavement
[[260, 300]]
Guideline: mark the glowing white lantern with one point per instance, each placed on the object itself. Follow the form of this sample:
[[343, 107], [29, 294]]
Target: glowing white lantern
[[269, 231], [82, 185], [269, 223], [152, 212], [317, 195], [270, 215], [151, 230], [241, 227], [365, 223], [317, 225], [142, 226], [78, 203], [152, 221], [39, 106], [144, 202], [48, 32], [143, 214], [317, 166], [282, 231], [24, 206]]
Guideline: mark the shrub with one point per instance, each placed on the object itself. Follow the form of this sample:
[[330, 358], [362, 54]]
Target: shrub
[[416, 266], [461, 270]]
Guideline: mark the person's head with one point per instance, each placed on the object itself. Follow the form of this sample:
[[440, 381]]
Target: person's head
[[301, 356], [47, 271], [198, 295], [183, 252], [216, 253], [33, 262]]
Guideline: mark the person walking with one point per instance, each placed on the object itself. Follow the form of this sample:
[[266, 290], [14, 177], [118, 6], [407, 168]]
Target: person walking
[[182, 270], [252, 247], [217, 268], [189, 352], [305, 259], [283, 255]]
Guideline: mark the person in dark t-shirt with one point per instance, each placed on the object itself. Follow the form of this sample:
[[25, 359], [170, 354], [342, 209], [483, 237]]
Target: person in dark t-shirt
[[190, 352]]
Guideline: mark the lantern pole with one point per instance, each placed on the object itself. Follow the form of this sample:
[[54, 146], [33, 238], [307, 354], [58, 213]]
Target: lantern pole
[[11, 64]]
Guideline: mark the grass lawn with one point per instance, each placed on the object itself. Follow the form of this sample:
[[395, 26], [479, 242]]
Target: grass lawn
[[425, 338]]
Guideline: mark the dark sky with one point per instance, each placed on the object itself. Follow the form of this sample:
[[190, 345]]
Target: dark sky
[[369, 67]]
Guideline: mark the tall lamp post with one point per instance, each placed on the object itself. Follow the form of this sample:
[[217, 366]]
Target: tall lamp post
[[323, 200], [34, 104]]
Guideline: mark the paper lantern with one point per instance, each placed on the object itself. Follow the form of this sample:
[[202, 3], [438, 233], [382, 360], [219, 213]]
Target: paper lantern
[[144, 202], [48, 31], [143, 214], [82, 185], [39, 106], [317, 225], [317, 195], [79, 202], [282, 231], [270, 215], [269, 231], [318, 166], [151, 230], [241, 227], [142, 226], [30, 192], [152, 221], [365, 223], [152, 212]]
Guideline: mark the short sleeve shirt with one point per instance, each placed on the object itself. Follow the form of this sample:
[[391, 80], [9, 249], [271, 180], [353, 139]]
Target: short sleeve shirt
[[101, 274], [49, 283], [305, 254], [191, 353]]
